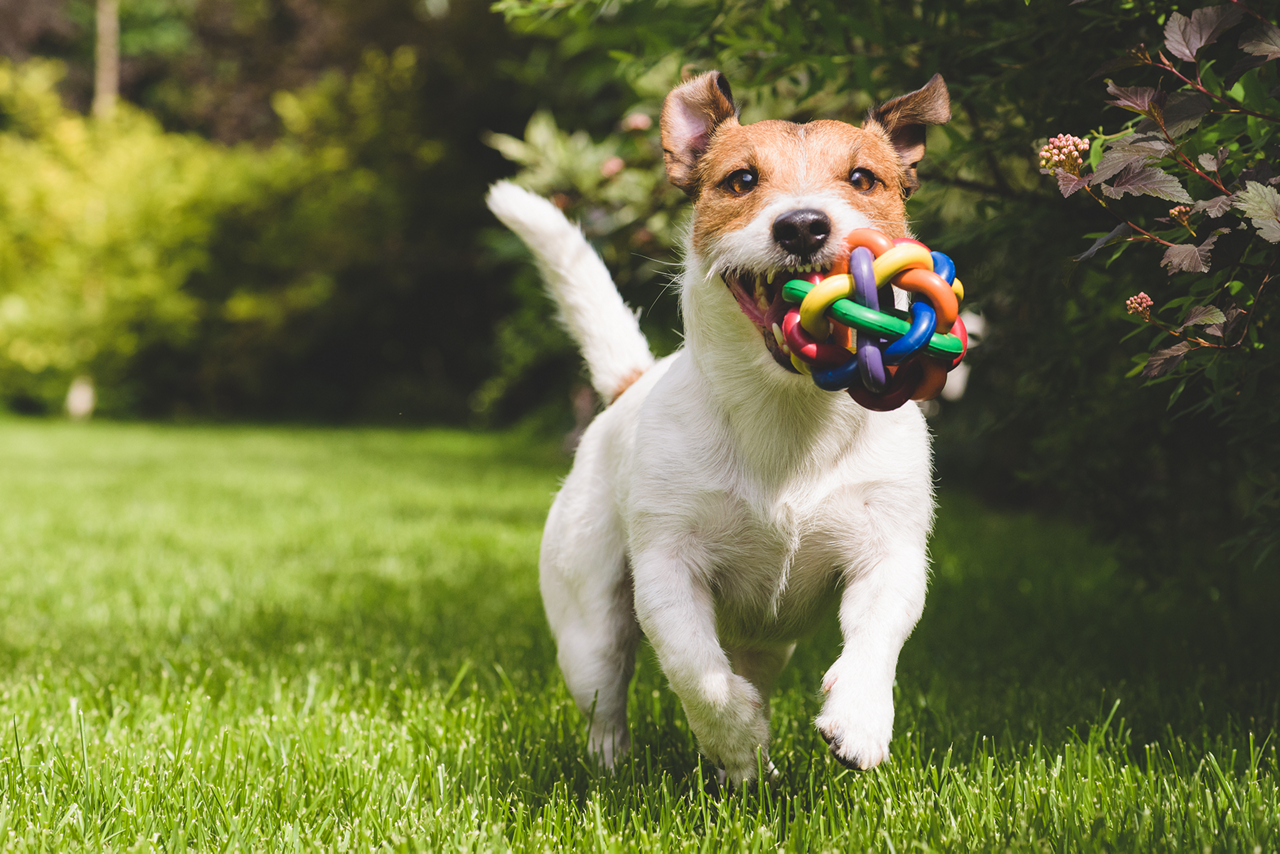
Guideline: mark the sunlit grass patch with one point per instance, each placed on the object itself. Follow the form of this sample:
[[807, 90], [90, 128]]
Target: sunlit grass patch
[[285, 638]]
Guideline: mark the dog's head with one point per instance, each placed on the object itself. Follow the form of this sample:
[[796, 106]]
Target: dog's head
[[773, 199]]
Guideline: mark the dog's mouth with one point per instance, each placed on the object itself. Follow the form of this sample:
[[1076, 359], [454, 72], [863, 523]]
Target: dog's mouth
[[759, 295]]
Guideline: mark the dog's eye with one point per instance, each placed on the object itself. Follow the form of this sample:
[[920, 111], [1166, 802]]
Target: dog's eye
[[741, 182], [863, 180]]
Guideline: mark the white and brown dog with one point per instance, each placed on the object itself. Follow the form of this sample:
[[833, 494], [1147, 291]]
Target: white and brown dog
[[719, 504]]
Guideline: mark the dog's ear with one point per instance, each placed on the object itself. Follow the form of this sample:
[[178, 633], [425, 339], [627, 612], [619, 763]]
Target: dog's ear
[[691, 114], [904, 120]]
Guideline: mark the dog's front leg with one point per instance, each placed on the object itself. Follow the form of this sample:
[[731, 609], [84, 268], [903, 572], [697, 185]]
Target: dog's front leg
[[676, 610], [878, 609]]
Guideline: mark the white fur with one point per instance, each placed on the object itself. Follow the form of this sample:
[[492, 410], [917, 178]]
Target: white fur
[[590, 307], [719, 507]]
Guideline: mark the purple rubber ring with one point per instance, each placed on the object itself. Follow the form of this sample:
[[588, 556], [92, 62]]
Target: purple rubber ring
[[870, 358]]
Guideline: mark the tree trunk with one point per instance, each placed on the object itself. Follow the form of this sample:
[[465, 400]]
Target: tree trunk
[[106, 82]]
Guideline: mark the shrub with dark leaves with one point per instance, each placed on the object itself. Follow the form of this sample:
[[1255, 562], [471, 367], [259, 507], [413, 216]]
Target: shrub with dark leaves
[[1204, 137]]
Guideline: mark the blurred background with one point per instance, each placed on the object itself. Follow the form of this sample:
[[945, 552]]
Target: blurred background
[[272, 210]]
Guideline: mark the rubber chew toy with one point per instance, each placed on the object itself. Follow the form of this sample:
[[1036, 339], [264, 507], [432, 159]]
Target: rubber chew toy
[[898, 356]]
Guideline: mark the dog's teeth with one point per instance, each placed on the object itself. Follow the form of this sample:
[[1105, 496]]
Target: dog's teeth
[[777, 336], [762, 296]]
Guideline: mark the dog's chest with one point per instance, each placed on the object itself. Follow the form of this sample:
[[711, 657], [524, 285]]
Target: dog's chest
[[774, 566]]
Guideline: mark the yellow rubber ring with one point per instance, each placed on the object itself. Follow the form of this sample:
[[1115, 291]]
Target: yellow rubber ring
[[958, 288], [818, 300], [898, 259], [800, 365], [832, 288]]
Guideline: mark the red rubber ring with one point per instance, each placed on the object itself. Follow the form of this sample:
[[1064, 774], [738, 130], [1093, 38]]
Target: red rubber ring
[[901, 386], [806, 349]]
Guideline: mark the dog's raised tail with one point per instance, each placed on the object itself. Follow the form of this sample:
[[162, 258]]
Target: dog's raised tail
[[589, 304]]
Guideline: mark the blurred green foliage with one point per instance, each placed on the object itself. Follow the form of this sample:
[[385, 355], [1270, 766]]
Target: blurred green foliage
[[100, 225], [294, 227], [1049, 417], [110, 232], [319, 260]]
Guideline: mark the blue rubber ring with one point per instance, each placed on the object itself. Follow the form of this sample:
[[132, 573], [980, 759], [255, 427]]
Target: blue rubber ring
[[923, 321], [838, 378], [944, 267]]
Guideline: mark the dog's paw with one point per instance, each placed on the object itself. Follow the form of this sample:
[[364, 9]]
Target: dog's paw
[[856, 720], [852, 745], [732, 728], [608, 744]]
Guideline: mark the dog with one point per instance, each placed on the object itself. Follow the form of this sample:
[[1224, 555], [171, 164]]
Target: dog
[[722, 502]]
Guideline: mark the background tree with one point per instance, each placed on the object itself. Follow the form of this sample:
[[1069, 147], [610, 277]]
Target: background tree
[[106, 76]]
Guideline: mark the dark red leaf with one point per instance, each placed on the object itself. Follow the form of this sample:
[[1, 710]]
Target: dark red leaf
[[1183, 258], [1148, 181], [1134, 56], [1185, 36], [1214, 207], [1128, 151], [1262, 41], [1202, 315], [1136, 98], [1181, 112], [1069, 183], [1120, 231], [1162, 362]]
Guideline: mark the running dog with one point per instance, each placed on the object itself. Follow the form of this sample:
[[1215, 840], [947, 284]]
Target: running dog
[[722, 502]]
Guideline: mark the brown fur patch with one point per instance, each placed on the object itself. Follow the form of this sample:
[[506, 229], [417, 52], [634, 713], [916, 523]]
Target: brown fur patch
[[626, 383], [793, 159], [903, 122], [691, 116]]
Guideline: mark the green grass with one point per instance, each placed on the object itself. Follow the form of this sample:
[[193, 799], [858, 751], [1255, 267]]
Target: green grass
[[280, 639]]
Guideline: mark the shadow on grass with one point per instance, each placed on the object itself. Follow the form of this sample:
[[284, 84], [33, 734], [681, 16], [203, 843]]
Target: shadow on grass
[[1031, 632]]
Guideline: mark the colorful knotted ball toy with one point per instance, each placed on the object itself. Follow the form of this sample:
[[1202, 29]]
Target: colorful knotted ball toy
[[898, 356]]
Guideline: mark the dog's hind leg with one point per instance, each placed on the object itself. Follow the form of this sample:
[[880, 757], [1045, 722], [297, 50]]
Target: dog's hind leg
[[760, 667], [587, 592]]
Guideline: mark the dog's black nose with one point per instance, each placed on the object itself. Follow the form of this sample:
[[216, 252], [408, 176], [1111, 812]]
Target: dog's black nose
[[802, 232]]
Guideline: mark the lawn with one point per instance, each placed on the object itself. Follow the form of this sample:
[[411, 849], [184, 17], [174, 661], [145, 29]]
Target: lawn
[[222, 638]]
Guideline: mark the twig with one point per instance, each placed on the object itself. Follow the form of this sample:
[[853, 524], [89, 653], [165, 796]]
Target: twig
[[1236, 107]]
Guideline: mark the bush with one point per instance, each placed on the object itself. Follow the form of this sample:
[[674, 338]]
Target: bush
[[108, 229], [1050, 417], [1210, 127], [100, 226]]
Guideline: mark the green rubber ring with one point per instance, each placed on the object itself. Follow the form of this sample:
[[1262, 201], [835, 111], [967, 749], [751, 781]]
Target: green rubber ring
[[887, 324]]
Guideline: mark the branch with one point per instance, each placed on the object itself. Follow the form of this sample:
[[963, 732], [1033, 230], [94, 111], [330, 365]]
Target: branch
[[1244, 331], [1235, 106], [1147, 236]]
